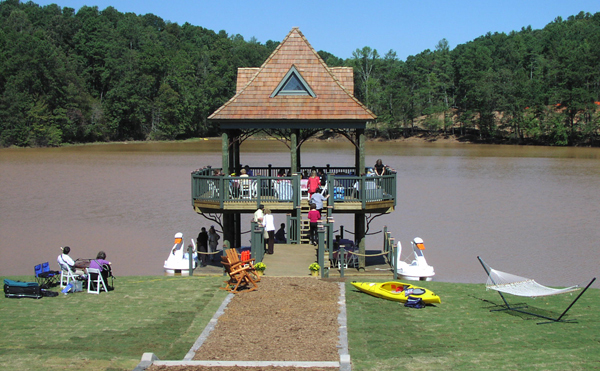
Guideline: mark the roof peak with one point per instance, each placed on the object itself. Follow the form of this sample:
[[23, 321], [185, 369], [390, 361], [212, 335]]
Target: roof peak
[[256, 101]]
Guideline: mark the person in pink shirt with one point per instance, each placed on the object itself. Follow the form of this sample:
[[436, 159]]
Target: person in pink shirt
[[313, 217], [314, 182]]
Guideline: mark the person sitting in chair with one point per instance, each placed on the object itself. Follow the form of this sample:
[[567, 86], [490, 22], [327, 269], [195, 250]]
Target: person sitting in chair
[[103, 265], [65, 262]]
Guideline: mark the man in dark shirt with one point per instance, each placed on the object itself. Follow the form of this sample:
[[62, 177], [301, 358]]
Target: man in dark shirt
[[280, 234], [202, 246]]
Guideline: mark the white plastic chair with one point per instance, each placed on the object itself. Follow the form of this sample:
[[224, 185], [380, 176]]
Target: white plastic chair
[[97, 281], [66, 276], [213, 189], [247, 186], [304, 189]]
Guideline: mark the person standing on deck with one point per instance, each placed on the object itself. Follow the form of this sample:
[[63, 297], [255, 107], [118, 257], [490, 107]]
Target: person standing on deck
[[314, 182], [202, 246], [317, 198], [213, 242], [269, 225], [313, 217], [259, 214], [380, 168]]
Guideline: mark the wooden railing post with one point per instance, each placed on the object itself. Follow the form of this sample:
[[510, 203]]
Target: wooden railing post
[[321, 250], [191, 259]]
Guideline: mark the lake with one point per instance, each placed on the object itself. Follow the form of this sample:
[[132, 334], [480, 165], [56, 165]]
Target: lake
[[531, 211]]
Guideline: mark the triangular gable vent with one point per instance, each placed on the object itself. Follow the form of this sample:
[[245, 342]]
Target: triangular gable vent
[[293, 84]]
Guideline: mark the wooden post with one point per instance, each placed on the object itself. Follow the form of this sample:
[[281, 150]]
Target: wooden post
[[294, 152], [321, 251], [191, 260], [360, 151], [228, 230], [225, 152], [359, 218], [359, 230]]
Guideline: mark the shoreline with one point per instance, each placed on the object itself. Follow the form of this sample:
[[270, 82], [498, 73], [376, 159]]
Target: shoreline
[[421, 138]]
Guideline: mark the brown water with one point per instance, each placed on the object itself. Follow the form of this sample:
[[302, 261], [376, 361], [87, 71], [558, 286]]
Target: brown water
[[532, 211]]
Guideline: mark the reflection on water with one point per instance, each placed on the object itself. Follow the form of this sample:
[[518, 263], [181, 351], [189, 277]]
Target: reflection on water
[[532, 211]]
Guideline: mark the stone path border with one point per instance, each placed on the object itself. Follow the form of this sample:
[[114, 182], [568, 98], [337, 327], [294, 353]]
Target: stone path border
[[344, 364]]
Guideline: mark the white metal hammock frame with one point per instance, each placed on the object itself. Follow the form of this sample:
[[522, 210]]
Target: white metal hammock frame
[[521, 286]]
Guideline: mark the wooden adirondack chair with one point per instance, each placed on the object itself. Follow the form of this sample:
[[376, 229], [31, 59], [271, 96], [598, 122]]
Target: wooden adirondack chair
[[239, 274], [234, 259]]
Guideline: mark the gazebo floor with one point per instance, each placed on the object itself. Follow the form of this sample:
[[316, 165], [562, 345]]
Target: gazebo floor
[[292, 260]]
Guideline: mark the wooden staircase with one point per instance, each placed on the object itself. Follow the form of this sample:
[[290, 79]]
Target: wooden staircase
[[304, 224]]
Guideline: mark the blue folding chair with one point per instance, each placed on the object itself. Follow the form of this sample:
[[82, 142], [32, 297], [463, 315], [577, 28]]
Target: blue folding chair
[[45, 277]]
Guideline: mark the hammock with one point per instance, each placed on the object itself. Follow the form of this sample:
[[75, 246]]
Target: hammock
[[521, 286]]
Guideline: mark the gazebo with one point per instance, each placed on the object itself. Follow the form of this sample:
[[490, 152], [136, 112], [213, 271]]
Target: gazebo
[[292, 96]]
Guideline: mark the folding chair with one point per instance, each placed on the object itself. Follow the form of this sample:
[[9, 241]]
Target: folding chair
[[38, 270], [44, 276], [66, 276], [95, 280]]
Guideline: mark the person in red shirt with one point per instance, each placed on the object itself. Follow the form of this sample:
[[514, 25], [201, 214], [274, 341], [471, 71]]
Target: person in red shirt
[[313, 217], [314, 182]]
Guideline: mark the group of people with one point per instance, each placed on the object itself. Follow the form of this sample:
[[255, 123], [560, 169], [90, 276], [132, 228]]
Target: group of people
[[207, 245], [315, 183], [263, 217], [104, 266]]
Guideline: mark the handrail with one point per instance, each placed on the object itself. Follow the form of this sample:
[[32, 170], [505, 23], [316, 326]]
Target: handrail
[[208, 187]]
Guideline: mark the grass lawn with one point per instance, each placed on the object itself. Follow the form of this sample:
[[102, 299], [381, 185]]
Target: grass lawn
[[165, 315], [110, 331], [462, 334]]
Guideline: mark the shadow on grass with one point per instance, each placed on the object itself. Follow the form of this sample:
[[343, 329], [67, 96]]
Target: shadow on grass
[[535, 313], [156, 334]]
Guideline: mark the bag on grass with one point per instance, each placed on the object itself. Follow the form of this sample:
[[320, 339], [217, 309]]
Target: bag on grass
[[413, 302], [48, 293], [18, 289]]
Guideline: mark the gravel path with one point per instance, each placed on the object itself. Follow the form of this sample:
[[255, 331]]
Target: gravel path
[[286, 319]]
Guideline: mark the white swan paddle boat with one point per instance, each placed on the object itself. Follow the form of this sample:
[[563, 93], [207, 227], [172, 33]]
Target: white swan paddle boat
[[418, 269], [178, 262]]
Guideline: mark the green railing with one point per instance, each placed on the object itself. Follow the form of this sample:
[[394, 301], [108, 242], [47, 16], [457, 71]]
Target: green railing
[[288, 189], [349, 188], [221, 189]]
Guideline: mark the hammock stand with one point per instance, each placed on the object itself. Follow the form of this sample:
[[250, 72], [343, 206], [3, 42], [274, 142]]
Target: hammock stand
[[543, 291]]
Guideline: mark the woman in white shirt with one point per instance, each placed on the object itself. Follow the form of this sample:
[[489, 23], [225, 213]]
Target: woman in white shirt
[[269, 225]]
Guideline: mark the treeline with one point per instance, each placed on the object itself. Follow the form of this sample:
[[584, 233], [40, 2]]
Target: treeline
[[101, 75], [94, 75], [532, 86]]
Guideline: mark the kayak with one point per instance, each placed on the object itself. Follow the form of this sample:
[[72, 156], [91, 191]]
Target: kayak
[[397, 291]]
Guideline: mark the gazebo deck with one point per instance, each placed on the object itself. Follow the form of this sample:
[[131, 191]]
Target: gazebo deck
[[231, 194]]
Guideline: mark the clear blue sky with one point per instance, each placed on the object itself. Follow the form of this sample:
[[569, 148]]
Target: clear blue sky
[[406, 26]]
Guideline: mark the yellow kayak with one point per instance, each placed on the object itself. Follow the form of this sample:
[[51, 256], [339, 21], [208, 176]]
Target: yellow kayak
[[397, 291]]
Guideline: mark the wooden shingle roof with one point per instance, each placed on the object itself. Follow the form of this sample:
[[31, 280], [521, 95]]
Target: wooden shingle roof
[[334, 104]]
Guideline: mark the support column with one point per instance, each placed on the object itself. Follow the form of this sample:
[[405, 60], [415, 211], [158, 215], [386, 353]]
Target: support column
[[359, 154], [236, 166], [359, 234], [360, 219], [233, 151], [295, 152], [230, 151], [225, 152], [228, 230]]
